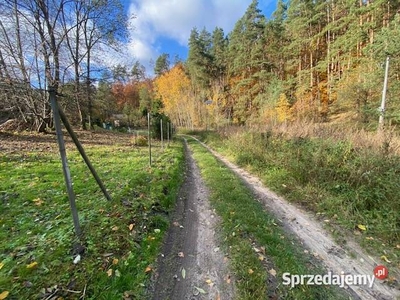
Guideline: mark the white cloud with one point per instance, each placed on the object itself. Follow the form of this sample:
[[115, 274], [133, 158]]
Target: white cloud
[[174, 19]]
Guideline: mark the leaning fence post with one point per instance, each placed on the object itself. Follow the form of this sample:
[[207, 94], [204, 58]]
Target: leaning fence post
[[66, 171], [83, 154]]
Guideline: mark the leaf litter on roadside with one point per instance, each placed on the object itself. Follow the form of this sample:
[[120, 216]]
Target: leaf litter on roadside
[[198, 291]]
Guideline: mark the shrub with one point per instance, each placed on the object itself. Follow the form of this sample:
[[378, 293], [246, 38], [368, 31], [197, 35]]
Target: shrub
[[140, 141]]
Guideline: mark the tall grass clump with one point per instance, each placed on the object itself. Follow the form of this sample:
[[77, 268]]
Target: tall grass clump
[[336, 178]]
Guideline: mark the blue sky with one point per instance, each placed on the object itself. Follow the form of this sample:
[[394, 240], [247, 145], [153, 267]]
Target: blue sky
[[163, 26]]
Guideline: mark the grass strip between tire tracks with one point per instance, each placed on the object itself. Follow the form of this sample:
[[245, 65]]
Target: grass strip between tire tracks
[[246, 228]]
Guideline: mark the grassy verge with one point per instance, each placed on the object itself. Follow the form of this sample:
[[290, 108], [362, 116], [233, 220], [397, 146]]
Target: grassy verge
[[346, 186], [121, 238], [259, 250]]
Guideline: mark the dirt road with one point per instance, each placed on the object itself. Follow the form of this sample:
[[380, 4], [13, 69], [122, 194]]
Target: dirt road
[[337, 259], [192, 265]]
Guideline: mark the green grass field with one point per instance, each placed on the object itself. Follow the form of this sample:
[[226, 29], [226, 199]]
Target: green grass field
[[121, 238]]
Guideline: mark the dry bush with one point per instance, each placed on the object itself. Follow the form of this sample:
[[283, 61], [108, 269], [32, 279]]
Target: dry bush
[[387, 141], [139, 140]]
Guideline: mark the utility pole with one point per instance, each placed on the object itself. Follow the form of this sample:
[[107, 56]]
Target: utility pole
[[383, 103]]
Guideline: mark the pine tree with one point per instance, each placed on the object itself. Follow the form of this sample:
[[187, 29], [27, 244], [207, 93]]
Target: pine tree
[[162, 64], [387, 44], [219, 82], [218, 52], [247, 63], [199, 62]]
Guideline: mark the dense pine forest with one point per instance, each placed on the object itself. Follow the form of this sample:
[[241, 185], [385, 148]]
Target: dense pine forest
[[320, 61], [315, 60]]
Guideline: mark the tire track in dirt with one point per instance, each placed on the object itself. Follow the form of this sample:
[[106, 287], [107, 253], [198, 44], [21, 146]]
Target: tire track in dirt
[[334, 257], [191, 245]]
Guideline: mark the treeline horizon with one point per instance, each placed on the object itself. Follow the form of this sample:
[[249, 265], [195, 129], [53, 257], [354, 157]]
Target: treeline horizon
[[319, 61], [312, 60]]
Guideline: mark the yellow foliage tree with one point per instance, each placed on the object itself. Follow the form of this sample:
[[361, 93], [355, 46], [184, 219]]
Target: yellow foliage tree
[[173, 88], [284, 113]]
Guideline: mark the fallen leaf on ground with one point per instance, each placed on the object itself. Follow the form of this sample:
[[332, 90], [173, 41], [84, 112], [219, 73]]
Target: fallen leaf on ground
[[261, 257], [127, 295], [200, 290], [1, 265], [228, 279], [369, 238], [148, 269], [180, 254], [131, 226], [32, 265], [385, 259], [183, 273], [110, 272], [117, 273], [251, 271], [4, 295], [398, 246], [115, 261], [38, 201], [114, 228], [209, 282], [272, 272], [362, 227]]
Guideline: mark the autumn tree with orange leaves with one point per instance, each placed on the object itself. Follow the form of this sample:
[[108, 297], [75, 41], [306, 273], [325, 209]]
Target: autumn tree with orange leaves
[[127, 100], [174, 90]]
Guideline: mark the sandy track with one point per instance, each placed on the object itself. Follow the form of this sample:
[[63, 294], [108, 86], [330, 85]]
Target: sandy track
[[335, 258], [191, 245]]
